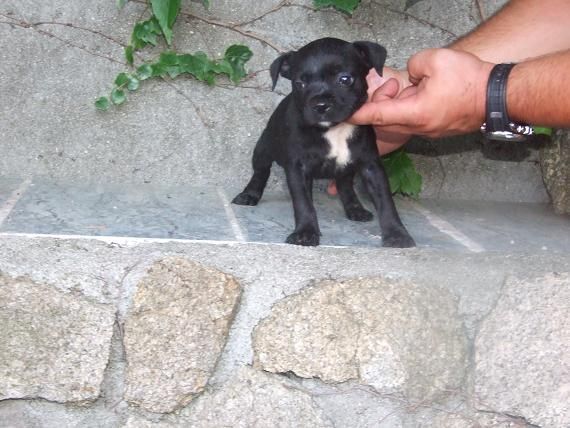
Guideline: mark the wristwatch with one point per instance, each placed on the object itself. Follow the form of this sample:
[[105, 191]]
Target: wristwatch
[[497, 124]]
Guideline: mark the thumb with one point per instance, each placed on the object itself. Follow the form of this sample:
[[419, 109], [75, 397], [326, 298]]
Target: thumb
[[420, 65], [386, 112]]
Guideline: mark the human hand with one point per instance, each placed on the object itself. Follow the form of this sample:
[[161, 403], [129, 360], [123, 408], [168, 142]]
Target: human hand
[[389, 85], [446, 97]]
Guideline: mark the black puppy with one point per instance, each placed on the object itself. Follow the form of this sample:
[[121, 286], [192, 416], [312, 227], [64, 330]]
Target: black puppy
[[307, 136]]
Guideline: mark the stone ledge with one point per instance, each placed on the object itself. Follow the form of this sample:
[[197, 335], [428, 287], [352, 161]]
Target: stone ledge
[[518, 332]]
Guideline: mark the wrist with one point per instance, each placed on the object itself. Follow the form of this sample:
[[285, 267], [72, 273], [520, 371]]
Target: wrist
[[481, 98], [498, 124]]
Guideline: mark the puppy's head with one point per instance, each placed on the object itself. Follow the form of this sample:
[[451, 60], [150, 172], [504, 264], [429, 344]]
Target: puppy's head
[[328, 78]]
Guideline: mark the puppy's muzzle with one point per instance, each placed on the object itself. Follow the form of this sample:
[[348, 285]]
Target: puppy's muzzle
[[321, 107]]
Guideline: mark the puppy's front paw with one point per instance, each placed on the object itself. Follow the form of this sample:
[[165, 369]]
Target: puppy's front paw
[[310, 239], [358, 214], [245, 199], [399, 239]]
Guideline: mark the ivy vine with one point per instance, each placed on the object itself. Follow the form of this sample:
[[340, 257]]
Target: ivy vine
[[171, 64]]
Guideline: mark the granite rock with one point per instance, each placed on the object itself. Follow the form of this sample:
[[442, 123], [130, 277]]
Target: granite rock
[[53, 345], [394, 336], [522, 352], [175, 331], [555, 163], [253, 399]]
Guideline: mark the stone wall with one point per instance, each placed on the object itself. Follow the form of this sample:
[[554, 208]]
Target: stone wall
[[59, 56], [98, 334]]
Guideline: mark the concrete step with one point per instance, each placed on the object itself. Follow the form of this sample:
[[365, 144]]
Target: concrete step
[[41, 207]]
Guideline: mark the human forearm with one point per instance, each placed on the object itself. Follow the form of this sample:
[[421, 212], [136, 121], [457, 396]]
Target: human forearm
[[538, 91], [522, 29]]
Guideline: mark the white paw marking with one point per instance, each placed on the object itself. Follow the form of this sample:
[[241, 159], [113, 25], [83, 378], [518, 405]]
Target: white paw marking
[[338, 137]]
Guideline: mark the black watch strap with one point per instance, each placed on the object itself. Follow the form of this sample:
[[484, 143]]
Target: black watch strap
[[497, 124], [497, 118]]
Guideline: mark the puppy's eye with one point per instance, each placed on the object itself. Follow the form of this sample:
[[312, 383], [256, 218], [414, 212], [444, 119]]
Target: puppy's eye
[[345, 80], [300, 84]]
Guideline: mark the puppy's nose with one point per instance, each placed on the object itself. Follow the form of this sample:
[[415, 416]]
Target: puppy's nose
[[322, 108]]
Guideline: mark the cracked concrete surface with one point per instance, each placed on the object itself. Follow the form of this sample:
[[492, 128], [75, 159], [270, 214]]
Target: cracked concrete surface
[[61, 57]]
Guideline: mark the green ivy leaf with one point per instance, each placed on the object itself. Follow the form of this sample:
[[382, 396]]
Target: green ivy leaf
[[198, 65], [237, 56], [158, 70], [402, 174], [129, 55], [118, 96], [121, 3], [346, 6], [144, 72], [133, 84], [173, 71], [172, 64], [166, 12], [410, 3], [102, 103], [541, 130], [223, 67], [169, 58], [145, 33], [206, 3], [122, 79]]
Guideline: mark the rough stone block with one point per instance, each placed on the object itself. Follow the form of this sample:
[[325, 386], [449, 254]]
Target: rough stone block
[[175, 331], [256, 400], [53, 345], [394, 336], [555, 163], [522, 352]]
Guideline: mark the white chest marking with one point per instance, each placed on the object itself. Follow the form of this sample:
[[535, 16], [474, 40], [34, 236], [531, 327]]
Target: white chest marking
[[338, 137]]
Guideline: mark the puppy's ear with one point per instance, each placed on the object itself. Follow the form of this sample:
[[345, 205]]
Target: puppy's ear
[[281, 65], [373, 54]]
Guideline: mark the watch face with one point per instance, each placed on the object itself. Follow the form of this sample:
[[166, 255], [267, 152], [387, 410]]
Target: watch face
[[505, 136]]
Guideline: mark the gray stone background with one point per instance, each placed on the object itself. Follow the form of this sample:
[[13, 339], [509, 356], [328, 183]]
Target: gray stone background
[[57, 57]]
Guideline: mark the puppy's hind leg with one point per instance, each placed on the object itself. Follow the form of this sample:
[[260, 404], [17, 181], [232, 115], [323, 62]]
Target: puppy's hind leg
[[352, 206], [261, 169]]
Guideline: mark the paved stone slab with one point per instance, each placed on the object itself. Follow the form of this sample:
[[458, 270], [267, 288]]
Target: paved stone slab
[[175, 331], [7, 187], [143, 211], [506, 227], [395, 336], [53, 345], [522, 352], [205, 213]]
